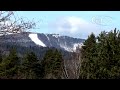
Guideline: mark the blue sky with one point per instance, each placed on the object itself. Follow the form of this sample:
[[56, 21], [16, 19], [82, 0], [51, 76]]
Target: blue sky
[[73, 23]]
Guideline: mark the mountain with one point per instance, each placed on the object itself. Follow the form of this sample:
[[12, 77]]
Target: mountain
[[44, 40], [57, 41], [39, 41]]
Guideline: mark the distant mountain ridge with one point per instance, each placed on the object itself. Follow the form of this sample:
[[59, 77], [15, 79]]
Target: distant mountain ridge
[[43, 40]]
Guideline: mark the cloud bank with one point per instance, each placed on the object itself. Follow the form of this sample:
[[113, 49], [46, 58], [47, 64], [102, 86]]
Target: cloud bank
[[73, 26]]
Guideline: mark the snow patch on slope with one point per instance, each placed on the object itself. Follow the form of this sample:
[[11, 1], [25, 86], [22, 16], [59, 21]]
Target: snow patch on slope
[[56, 35], [66, 48], [48, 38], [77, 45], [35, 39], [72, 49]]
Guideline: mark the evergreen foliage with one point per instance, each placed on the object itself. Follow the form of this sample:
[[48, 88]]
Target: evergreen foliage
[[101, 59], [9, 66], [52, 64]]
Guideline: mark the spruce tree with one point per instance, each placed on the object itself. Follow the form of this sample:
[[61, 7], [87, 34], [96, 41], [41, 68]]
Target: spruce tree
[[9, 66], [31, 67], [88, 54], [101, 60], [109, 55], [52, 64]]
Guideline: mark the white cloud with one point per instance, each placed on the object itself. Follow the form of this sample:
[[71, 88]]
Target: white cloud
[[74, 26]]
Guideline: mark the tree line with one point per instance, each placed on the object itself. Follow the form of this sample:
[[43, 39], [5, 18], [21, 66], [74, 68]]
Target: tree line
[[29, 67]]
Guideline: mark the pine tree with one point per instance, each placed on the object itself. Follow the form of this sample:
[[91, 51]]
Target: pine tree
[[31, 67], [52, 64], [88, 53], [101, 60], [109, 55], [9, 66]]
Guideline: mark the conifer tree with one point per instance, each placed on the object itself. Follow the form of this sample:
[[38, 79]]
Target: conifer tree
[[102, 59], [88, 52], [31, 67], [28, 65], [52, 64], [9, 66]]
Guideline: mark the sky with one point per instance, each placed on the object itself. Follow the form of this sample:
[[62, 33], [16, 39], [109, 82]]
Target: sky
[[78, 24]]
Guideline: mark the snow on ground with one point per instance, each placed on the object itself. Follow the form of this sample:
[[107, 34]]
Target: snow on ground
[[66, 48], [56, 35], [35, 39], [48, 38], [72, 49], [77, 45]]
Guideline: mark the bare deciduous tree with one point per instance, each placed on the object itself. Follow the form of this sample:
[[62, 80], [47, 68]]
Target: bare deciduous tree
[[10, 24], [72, 66]]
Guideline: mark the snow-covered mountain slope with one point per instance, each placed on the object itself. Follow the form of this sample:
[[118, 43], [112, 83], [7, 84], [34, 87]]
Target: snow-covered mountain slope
[[29, 39], [34, 38], [63, 42]]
